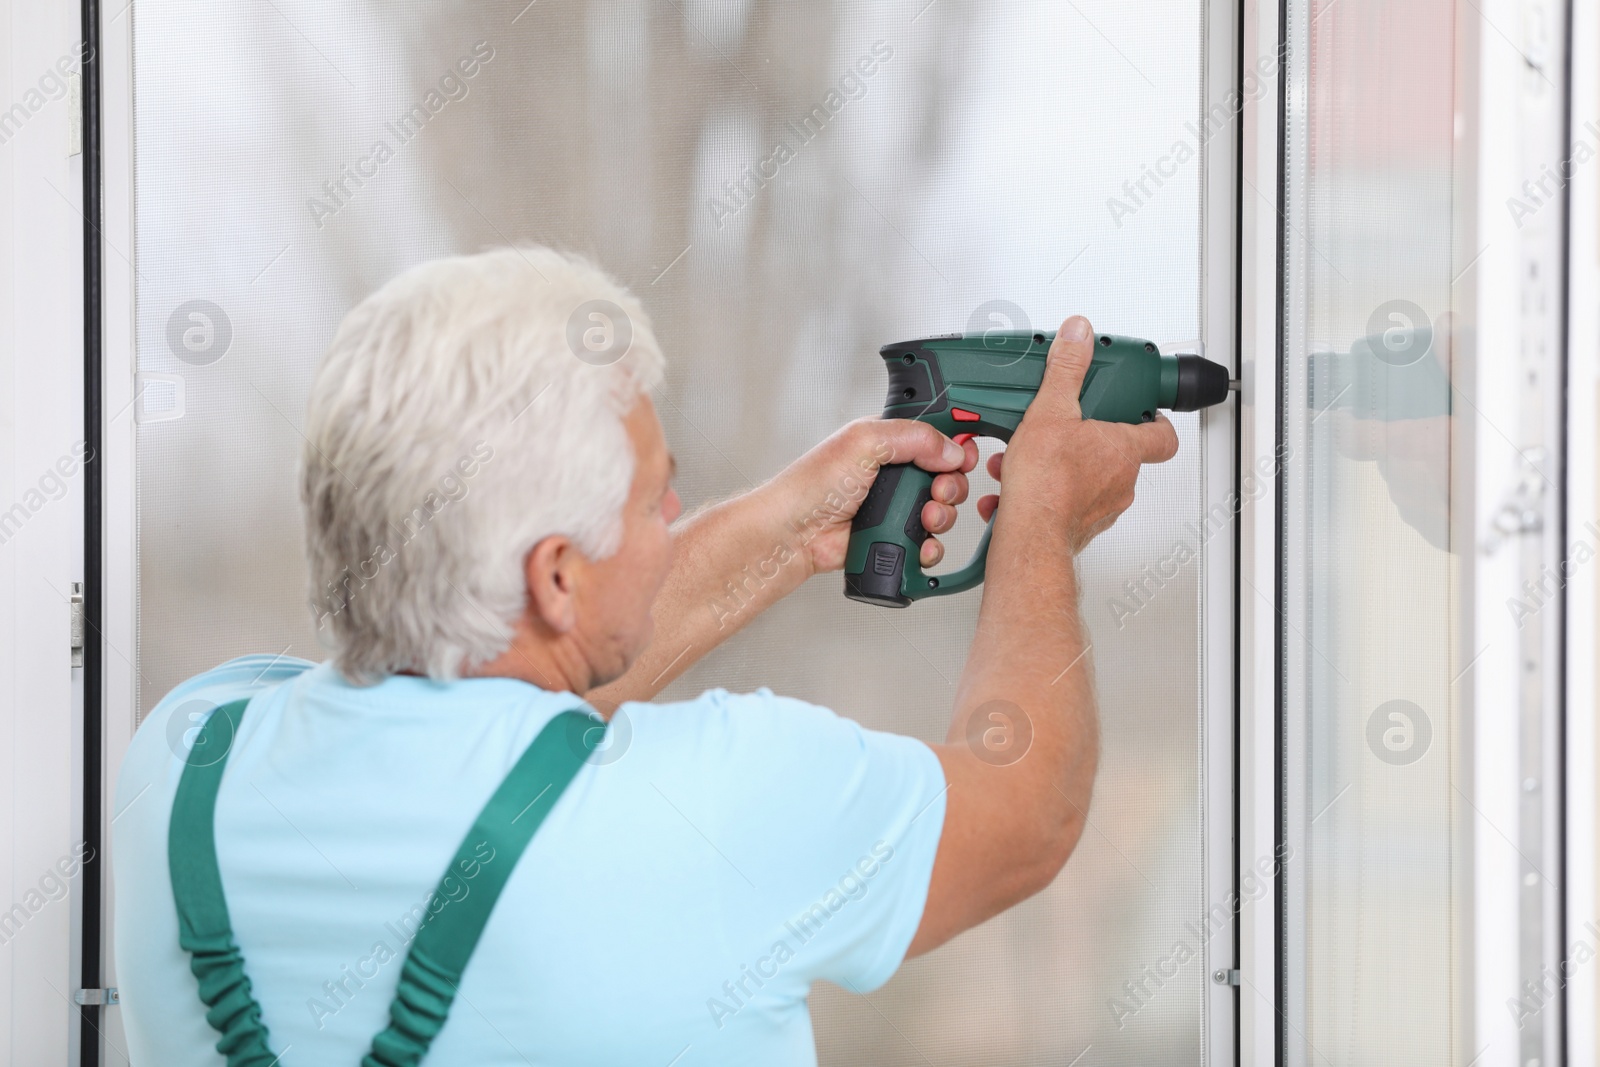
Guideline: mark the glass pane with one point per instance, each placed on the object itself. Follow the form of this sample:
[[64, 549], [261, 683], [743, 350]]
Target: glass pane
[[788, 188], [1374, 532]]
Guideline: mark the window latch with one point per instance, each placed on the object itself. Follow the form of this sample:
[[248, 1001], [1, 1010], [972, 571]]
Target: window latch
[[77, 624]]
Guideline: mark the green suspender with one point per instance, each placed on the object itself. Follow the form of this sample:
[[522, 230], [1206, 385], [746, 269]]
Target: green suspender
[[203, 927], [442, 947], [443, 944]]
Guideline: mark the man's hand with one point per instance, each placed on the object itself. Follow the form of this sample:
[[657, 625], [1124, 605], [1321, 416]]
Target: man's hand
[[818, 494], [1075, 473]]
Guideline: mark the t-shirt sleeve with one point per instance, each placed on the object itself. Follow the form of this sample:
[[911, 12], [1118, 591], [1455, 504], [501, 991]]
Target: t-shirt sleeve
[[839, 826]]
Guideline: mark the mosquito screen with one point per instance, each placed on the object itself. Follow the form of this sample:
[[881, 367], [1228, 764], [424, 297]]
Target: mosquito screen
[[787, 187]]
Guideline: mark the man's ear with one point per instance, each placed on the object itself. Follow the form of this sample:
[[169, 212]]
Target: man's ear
[[551, 571]]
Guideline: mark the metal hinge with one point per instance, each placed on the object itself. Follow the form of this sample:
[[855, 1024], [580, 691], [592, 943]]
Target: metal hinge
[[97, 996], [1225, 977], [77, 624]]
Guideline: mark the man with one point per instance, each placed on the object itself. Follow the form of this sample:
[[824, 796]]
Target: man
[[490, 529]]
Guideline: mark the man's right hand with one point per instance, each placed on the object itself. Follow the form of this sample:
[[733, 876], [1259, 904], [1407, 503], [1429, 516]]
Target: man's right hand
[[1078, 471], [1020, 758]]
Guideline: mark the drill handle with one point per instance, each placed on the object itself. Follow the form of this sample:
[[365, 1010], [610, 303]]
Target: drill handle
[[883, 561], [883, 564]]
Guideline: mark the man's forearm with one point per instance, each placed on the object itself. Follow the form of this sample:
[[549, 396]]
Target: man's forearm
[[738, 558], [1032, 651], [731, 562], [1020, 757]]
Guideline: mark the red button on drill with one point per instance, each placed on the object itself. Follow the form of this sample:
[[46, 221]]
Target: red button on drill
[[962, 415]]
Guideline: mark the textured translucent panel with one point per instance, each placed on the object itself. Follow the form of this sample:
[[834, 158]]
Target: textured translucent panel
[[788, 187], [1372, 597]]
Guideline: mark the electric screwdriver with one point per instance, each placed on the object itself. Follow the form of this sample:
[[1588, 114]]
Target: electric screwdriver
[[979, 385]]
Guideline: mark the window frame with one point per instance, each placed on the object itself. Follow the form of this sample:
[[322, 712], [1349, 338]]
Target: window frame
[[1235, 764]]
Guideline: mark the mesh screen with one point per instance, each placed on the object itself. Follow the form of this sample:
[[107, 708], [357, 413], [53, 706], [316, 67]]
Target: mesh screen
[[1044, 155]]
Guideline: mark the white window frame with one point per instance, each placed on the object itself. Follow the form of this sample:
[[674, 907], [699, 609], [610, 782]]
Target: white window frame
[[1583, 506], [119, 605], [1221, 110], [1259, 346]]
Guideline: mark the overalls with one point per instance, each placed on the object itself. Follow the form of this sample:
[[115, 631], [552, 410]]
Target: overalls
[[447, 937]]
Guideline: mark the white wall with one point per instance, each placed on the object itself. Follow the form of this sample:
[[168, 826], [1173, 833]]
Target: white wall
[[40, 421]]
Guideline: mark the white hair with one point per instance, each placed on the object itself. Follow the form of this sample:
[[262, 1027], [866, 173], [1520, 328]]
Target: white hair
[[465, 411]]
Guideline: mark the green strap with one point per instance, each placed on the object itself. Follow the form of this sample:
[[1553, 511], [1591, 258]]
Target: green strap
[[203, 927], [444, 944], [449, 933]]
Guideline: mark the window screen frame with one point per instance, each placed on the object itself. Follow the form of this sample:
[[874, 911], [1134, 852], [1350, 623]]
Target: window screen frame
[[1223, 34]]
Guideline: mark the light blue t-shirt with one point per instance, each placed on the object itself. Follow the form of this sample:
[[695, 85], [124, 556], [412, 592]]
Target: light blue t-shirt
[[712, 861]]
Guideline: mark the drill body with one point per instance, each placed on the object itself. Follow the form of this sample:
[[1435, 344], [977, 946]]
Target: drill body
[[981, 384]]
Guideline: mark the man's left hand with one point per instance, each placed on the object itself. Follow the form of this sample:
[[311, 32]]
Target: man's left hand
[[820, 492]]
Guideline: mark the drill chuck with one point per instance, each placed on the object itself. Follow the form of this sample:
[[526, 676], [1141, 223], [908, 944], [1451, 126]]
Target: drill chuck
[[1200, 383]]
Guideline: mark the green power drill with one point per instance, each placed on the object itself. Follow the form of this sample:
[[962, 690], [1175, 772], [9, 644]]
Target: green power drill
[[979, 385]]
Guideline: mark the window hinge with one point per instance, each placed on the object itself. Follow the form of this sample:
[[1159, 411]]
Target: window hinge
[[1225, 977], [96, 996], [77, 624]]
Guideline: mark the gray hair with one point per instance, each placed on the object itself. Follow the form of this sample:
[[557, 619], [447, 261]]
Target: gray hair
[[465, 411]]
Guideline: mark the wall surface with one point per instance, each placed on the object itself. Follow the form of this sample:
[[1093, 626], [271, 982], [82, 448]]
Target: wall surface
[[41, 517]]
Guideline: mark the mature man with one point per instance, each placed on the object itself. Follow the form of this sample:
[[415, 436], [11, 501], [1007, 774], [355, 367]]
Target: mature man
[[490, 528]]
